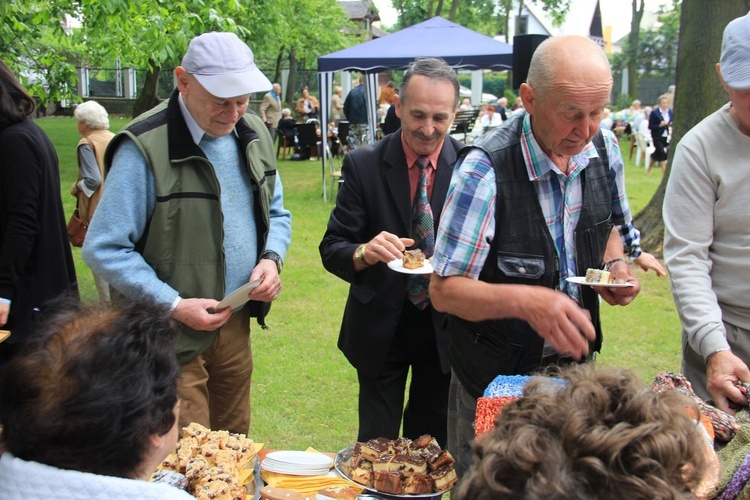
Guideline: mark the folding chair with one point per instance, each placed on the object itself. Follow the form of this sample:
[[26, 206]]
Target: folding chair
[[334, 171], [464, 122], [307, 138], [644, 148], [283, 146]]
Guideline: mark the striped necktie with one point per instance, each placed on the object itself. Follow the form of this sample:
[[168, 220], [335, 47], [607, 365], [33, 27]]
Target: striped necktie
[[423, 233]]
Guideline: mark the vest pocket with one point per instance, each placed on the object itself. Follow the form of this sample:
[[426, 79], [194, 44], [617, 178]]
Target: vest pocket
[[521, 266]]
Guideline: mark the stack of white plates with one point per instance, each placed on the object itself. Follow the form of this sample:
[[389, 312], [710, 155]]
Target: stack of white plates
[[297, 463]]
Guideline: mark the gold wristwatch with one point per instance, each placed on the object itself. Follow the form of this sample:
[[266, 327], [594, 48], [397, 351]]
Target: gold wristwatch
[[359, 254]]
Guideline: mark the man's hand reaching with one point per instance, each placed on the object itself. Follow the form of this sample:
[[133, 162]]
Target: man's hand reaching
[[196, 313], [723, 370]]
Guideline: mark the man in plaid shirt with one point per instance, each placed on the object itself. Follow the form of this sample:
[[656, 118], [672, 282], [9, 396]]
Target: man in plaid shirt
[[531, 204]]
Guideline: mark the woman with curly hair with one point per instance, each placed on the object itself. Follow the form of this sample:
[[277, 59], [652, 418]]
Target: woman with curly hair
[[601, 433], [89, 408]]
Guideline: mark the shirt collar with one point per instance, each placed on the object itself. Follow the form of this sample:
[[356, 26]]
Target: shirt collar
[[196, 132], [411, 156], [538, 163]]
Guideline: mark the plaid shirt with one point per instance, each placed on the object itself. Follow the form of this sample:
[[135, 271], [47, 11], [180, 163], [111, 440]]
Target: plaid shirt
[[467, 225]]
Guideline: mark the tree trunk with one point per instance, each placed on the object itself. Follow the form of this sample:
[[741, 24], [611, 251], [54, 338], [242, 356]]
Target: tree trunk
[[507, 7], [698, 92], [277, 70], [291, 83], [430, 10], [635, 29], [454, 11], [402, 16], [148, 97], [506, 21], [439, 9]]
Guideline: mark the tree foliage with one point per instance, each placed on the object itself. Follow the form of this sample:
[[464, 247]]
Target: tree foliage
[[556, 9], [299, 43], [698, 91], [489, 17], [631, 50], [34, 44], [650, 52], [154, 34]]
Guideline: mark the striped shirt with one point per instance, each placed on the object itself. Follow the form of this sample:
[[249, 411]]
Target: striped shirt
[[467, 225]]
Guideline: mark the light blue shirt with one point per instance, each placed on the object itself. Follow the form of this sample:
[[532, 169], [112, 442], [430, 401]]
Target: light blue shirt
[[124, 211]]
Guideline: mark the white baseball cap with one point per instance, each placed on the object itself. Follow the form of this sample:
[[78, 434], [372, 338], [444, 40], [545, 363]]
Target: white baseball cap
[[224, 65], [735, 54]]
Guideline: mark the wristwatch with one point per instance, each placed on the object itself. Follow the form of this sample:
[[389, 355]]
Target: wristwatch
[[359, 254], [274, 257]]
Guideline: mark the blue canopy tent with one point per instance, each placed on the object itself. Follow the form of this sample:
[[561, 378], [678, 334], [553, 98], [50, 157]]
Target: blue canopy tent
[[461, 48]]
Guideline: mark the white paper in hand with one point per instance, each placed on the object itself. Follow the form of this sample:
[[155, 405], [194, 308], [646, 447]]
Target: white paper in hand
[[237, 297]]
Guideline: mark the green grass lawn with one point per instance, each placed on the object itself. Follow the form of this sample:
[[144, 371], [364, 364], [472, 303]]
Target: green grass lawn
[[304, 391]]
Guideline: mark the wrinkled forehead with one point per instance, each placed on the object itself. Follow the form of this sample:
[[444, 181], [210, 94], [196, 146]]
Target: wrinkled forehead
[[579, 93]]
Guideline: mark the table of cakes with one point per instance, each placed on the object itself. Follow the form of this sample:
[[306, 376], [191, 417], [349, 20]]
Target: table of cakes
[[220, 465]]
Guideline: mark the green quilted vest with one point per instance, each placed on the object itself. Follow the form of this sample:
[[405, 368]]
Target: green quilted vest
[[183, 240]]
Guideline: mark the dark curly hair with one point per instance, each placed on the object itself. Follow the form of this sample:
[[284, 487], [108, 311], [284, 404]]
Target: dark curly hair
[[602, 434], [91, 388]]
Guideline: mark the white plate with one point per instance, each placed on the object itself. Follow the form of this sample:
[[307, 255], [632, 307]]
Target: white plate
[[293, 471], [581, 280], [303, 459], [280, 465], [237, 297], [398, 266]]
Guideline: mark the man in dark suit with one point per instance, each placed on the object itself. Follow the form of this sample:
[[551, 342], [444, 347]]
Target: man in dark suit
[[383, 333], [659, 122]]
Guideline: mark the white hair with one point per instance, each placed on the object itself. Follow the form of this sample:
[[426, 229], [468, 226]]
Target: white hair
[[92, 114]]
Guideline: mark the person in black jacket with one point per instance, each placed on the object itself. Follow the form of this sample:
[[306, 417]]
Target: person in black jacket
[[659, 122], [36, 262], [287, 127], [355, 109], [392, 122], [385, 331]]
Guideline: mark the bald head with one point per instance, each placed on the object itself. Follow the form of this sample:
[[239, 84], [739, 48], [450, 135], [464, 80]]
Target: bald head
[[568, 60], [568, 86]]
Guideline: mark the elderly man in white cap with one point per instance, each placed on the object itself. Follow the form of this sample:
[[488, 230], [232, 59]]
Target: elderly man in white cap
[[707, 238], [194, 210]]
